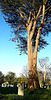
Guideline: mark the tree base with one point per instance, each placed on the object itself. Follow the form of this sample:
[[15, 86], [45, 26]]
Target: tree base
[[32, 84]]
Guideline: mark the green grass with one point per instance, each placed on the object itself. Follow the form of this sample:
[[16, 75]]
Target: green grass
[[41, 94]]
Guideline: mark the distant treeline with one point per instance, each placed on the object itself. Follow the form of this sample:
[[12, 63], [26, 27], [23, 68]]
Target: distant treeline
[[12, 79]]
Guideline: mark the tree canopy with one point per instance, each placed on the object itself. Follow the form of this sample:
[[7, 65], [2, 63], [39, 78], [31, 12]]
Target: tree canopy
[[10, 77], [20, 13]]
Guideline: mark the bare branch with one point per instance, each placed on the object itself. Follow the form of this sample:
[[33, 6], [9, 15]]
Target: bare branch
[[48, 8], [38, 34], [45, 11], [30, 25], [24, 20], [24, 14], [38, 12], [29, 17], [33, 29]]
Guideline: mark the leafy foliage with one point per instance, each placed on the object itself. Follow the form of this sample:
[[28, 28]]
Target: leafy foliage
[[10, 77], [17, 13], [1, 78]]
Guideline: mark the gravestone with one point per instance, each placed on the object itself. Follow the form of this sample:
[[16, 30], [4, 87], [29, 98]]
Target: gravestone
[[21, 89]]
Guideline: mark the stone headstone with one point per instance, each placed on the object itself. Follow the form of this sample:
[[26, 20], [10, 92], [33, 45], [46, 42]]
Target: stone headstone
[[21, 89]]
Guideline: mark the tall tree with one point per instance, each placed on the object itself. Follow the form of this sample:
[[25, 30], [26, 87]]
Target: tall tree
[[30, 20]]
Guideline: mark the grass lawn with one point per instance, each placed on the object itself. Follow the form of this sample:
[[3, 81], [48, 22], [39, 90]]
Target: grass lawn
[[41, 94]]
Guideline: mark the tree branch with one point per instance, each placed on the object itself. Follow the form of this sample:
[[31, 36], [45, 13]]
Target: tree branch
[[24, 20], [33, 29], [24, 14], [29, 17], [30, 25], [38, 34], [38, 12]]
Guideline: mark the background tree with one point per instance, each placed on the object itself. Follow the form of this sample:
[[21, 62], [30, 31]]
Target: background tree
[[44, 72], [48, 76], [40, 77], [25, 72], [33, 17], [1, 78], [10, 77]]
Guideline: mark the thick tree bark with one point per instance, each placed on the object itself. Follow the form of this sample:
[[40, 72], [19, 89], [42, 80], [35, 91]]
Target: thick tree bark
[[32, 61], [32, 57]]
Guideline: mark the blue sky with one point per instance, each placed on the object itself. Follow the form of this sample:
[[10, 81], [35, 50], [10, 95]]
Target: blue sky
[[10, 60]]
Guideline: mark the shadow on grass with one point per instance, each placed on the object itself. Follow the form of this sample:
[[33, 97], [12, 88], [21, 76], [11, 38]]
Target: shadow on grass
[[41, 94], [7, 90]]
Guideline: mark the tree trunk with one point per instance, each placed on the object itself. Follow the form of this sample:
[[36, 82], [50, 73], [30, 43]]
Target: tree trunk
[[32, 61], [32, 58]]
